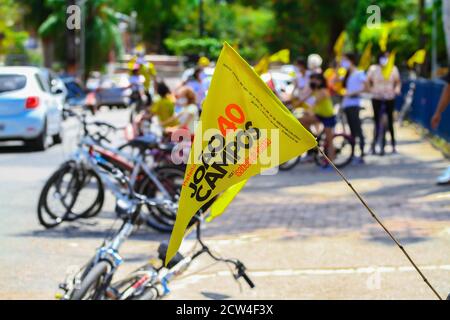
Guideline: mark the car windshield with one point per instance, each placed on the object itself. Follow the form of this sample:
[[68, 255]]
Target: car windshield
[[115, 81], [12, 82]]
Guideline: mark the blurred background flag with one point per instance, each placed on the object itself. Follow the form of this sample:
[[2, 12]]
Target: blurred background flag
[[339, 45], [283, 56], [417, 58], [385, 32], [387, 70], [263, 65], [366, 57]]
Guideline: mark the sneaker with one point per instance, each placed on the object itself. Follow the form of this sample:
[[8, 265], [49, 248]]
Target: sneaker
[[444, 178]]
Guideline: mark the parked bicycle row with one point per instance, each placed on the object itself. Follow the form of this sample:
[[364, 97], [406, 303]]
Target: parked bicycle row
[[146, 185]]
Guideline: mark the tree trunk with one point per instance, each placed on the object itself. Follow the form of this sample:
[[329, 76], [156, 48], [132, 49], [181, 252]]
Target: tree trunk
[[48, 50], [71, 46], [446, 20], [422, 39]]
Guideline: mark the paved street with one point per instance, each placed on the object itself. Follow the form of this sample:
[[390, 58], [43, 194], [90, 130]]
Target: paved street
[[302, 233]]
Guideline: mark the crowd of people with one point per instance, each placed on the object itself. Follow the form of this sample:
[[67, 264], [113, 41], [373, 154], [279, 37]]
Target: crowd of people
[[317, 92], [343, 85], [320, 94], [177, 109]]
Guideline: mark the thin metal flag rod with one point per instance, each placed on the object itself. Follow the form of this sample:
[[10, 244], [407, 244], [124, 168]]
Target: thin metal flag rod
[[379, 222]]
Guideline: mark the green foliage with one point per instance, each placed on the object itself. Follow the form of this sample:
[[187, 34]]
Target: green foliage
[[195, 46], [156, 18], [102, 33], [309, 25], [255, 27], [246, 27], [11, 40]]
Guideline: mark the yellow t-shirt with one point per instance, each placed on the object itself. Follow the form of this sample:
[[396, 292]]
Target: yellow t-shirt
[[163, 108], [324, 108]]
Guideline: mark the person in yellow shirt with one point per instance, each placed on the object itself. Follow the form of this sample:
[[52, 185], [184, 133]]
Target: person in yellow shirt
[[164, 106], [322, 111]]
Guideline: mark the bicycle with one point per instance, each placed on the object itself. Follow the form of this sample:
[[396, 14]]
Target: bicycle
[[68, 182], [94, 280], [95, 276], [344, 146], [151, 281]]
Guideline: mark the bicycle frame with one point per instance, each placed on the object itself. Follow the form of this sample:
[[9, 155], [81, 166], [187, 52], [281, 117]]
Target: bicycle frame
[[159, 279], [89, 149]]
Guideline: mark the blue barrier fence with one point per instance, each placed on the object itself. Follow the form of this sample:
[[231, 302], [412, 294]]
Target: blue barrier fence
[[425, 101]]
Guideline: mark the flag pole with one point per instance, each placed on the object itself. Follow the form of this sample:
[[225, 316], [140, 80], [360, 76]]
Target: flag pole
[[379, 222]]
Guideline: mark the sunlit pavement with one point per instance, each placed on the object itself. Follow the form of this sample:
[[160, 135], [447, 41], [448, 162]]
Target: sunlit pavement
[[302, 233]]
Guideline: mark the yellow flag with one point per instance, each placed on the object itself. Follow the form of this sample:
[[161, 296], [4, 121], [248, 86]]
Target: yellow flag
[[364, 62], [387, 70], [339, 45], [263, 65], [244, 130], [224, 200], [386, 30], [418, 57], [281, 56], [132, 63]]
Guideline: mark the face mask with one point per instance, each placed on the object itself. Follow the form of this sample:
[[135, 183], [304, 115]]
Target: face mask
[[345, 64], [314, 86], [383, 61], [182, 101]]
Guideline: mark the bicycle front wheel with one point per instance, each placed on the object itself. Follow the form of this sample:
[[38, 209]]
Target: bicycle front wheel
[[69, 194], [91, 286]]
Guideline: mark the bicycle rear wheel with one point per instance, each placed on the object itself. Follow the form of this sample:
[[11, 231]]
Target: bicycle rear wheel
[[290, 164], [344, 147], [172, 178]]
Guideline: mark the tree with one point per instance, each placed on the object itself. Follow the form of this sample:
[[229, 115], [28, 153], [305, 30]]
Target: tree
[[102, 32], [11, 39], [308, 26], [446, 20], [245, 27], [155, 18]]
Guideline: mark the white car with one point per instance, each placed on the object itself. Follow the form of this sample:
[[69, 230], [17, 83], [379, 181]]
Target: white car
[[31, 105]]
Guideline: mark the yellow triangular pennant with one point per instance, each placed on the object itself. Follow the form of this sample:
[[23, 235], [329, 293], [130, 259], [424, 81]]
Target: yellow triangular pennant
[[244, 130]]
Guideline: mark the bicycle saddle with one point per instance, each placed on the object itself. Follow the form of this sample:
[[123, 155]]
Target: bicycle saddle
[[148, 141], [167, 146], [162, 250]]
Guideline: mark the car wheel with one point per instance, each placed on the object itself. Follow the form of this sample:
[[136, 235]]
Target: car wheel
[[57, 138], [40, 142]]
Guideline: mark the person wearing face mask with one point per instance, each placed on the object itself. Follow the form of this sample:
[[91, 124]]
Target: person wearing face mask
[[196, 83], [189, 111], [322, 111], [163, 107], [355, 84], [383, 93]]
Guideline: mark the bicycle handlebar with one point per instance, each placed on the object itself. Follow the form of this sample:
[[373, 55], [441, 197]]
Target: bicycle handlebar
[[82, 119], [241, 273]]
